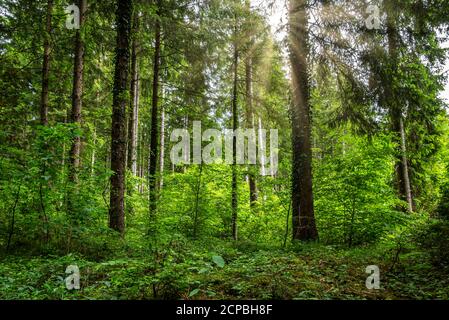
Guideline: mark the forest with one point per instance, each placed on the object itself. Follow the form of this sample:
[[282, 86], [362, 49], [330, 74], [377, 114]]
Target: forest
[[224, 149]]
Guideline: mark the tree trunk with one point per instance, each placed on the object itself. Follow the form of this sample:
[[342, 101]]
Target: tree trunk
[[133, 122], [77, 92], [152, 165], [303, 218], [253, 193], [93, 156], [162, 152], [396, 116], [118, 141], [234, 195], [46, 66], [250, 125]]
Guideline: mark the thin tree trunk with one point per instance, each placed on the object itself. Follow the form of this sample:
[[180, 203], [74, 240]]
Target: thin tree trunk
[[46, 66], [77, 92], [253, 194], [404, 163], [234, 194], [134, 102], [250, 125], [92, 160], [154, 141], [118, 141], [303, 218], [162, 152], [397, 124]]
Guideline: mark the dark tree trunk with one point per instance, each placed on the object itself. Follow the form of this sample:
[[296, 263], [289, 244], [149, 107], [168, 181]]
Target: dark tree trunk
[[46, 66], [77, 92], [118, 141], [154, 132], [134, 103], [303, 218]]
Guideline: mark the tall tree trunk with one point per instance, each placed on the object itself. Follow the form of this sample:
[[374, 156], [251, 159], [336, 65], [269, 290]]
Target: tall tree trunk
[[46, 66], [162, 152], [118, 141], [303, 218], [396, 113], [133, 121], [77, 92], [253, 193], [250, 125], [152, 165], [234, 194]]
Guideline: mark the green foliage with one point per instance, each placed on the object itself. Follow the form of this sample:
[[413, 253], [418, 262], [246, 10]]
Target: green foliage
[[353, 195], [49, 220], [218, 261], [184, 270]]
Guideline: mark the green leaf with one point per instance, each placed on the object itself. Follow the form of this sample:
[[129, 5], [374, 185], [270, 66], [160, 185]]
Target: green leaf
[[193, 292], [219, 261]]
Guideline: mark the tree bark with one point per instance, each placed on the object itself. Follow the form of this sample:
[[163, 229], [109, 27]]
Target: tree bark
[[152, 165], [303, 218], [120, 101], [46, 66], [133, 123], [77, 92]]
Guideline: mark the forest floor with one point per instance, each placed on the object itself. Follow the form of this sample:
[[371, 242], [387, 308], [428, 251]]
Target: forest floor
[[228, 271]]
